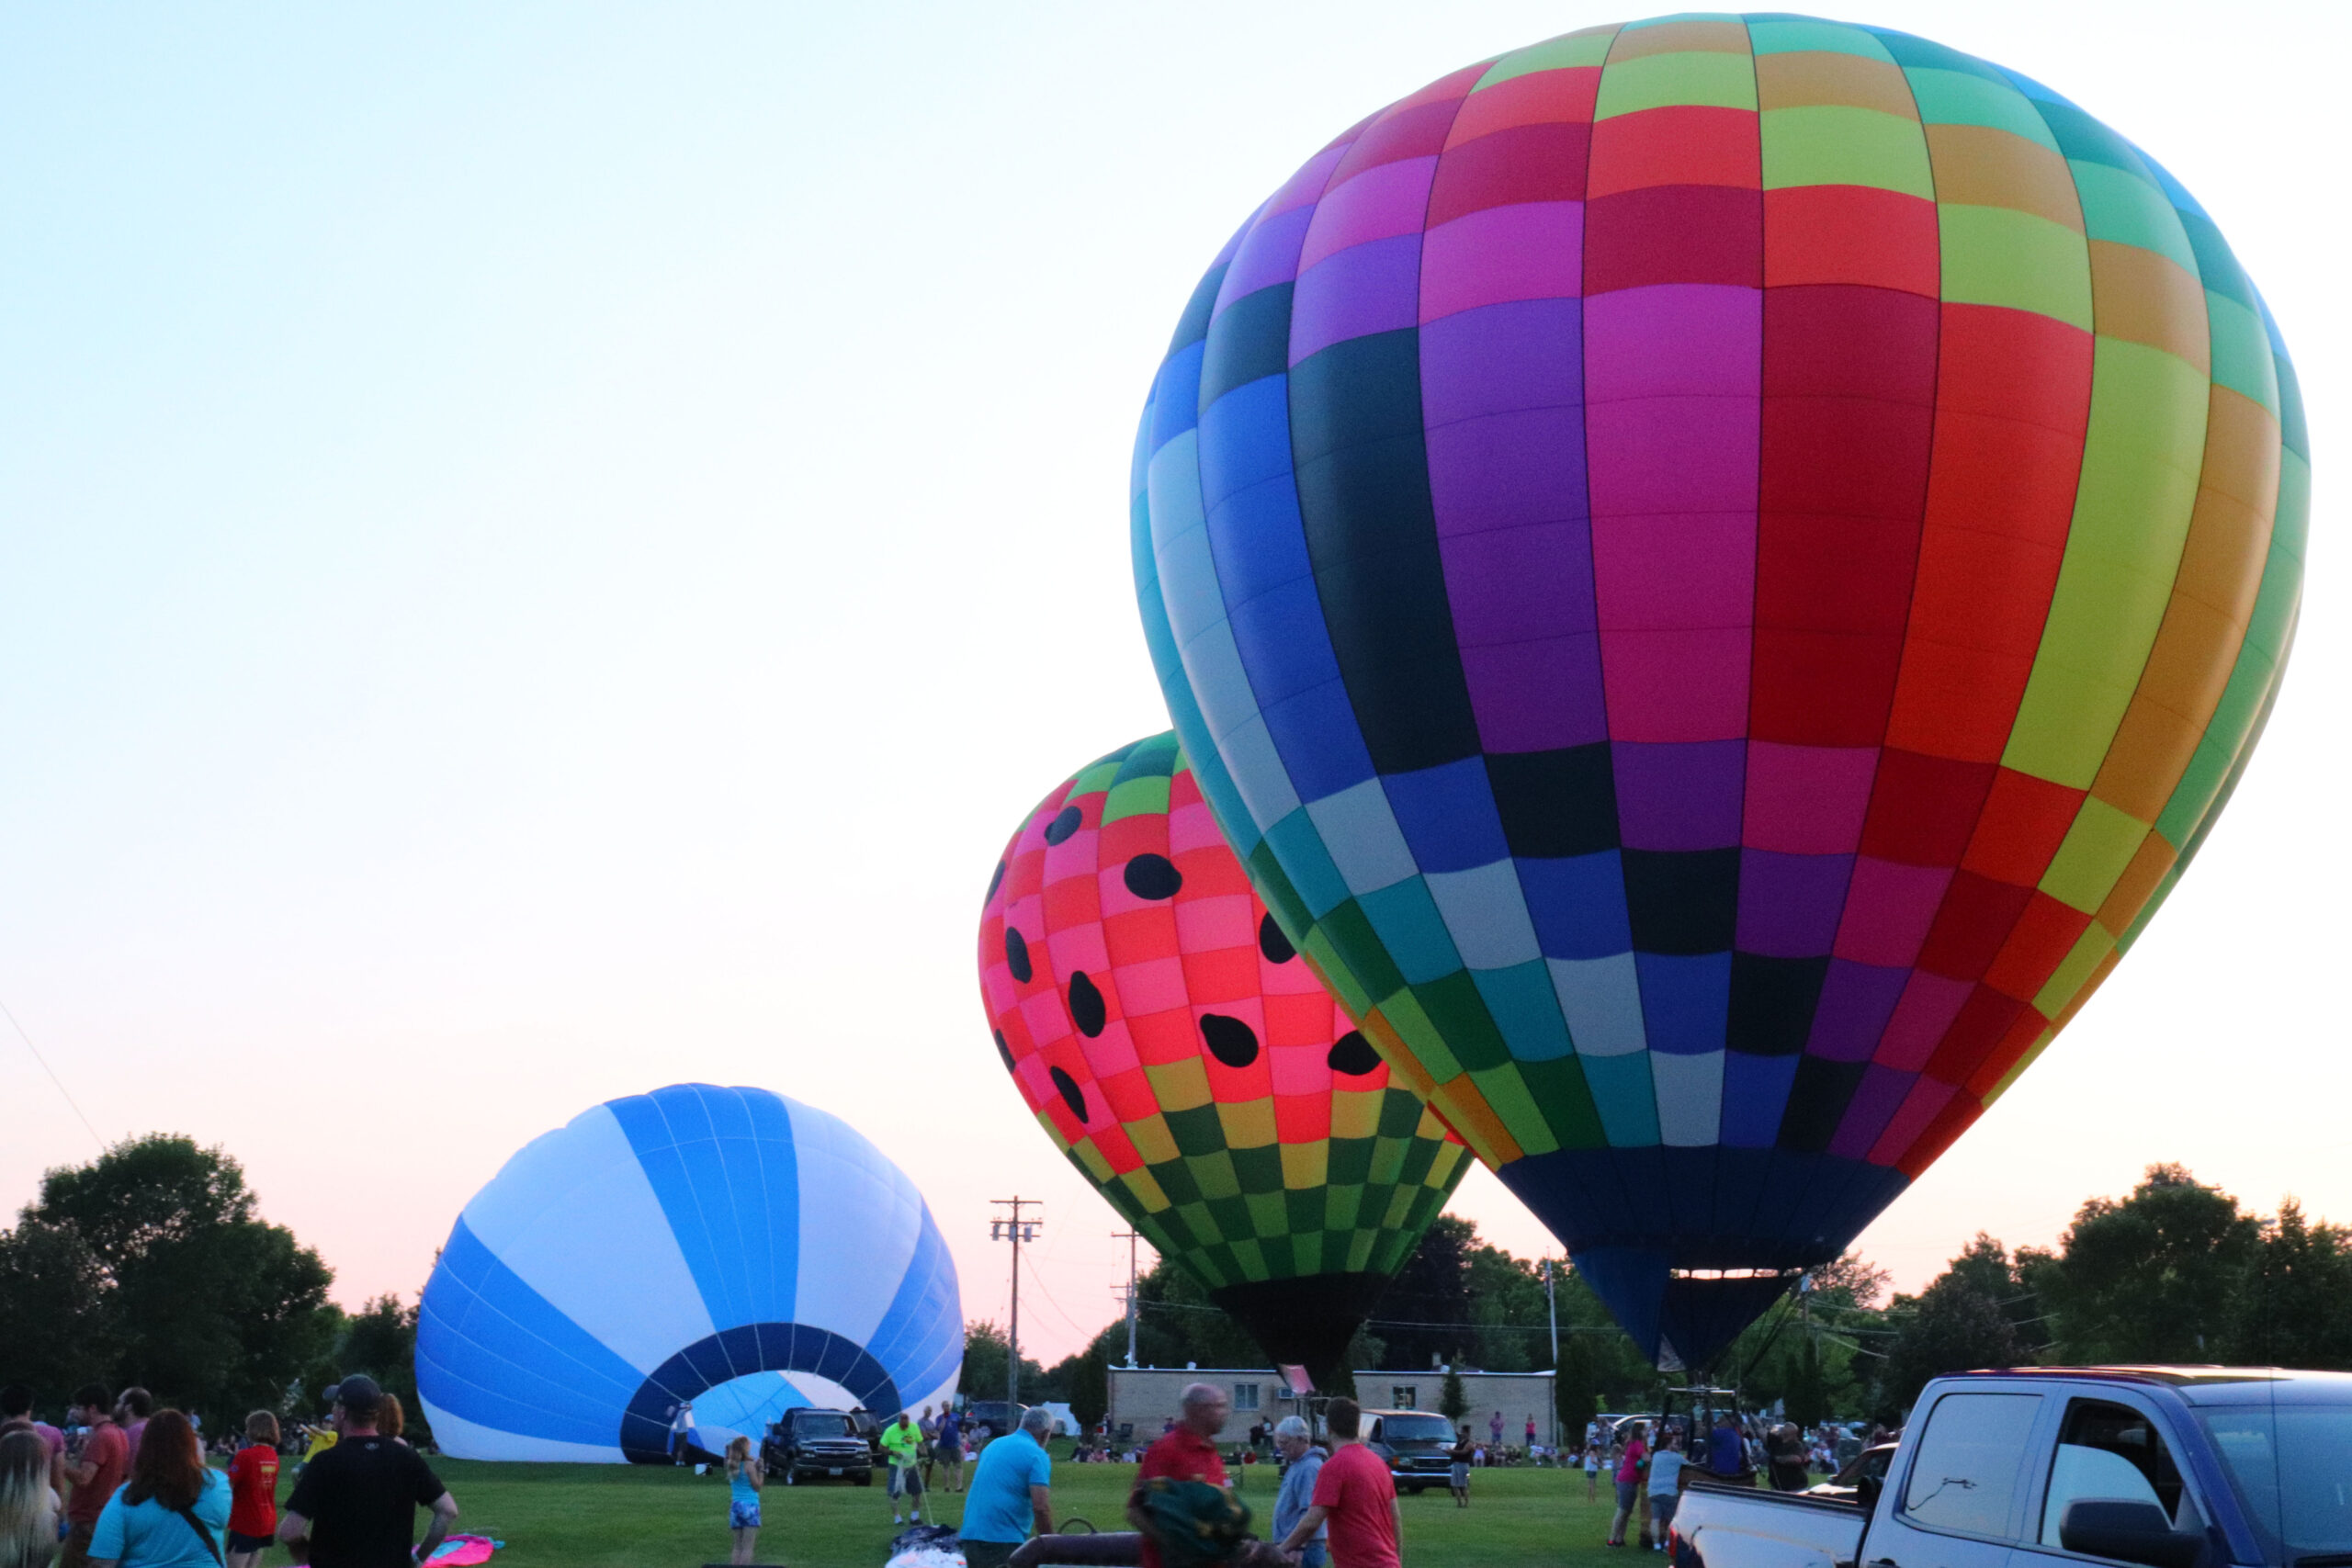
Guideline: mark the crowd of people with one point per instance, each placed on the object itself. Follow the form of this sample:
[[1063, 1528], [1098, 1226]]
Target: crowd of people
[[126, 1484], [1336, 1504], [1645, 1462]]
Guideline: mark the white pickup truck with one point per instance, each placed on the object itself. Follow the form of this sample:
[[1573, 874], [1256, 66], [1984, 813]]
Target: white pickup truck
[[2070, 1467]]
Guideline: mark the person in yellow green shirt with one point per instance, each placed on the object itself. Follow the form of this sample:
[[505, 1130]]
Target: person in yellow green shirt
[[903, 1440]]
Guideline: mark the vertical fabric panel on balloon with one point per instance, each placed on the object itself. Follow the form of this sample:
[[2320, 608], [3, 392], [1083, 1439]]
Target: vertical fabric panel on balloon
[[1714, 572]]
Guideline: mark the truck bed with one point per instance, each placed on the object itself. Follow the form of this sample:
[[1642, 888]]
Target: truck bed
[[1775, 1530]]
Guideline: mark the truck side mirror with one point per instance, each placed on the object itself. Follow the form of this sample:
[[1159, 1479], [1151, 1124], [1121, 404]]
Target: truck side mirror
[[2128, 1531]]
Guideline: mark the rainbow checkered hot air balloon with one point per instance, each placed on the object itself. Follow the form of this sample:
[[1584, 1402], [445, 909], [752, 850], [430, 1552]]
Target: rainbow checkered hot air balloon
[[1164, 1034], [1714, 572]]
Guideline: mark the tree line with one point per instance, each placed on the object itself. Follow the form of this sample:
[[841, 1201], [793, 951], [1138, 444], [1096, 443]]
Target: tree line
[[152, 1266], [2178, 1270]]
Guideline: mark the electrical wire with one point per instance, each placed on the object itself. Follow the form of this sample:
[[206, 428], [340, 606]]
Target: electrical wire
[[1037, 1284], [52, 1076]]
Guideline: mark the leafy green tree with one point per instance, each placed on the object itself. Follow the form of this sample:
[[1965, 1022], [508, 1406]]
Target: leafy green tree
[[1850, 1283], [1086, 1384], [1506, 1309], [1804, 1387], [1425, 1312], [1955, 1325], [1452, 1399], [380, 1340], [2290, 1311], [985, 1353], [57, 1327], [1574, 1398], [2155, 1277], [209, 1306]]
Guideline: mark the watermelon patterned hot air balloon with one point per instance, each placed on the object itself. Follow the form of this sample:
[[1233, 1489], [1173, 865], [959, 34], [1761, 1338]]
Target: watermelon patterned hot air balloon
[[1164, 1034], [1715, 572]]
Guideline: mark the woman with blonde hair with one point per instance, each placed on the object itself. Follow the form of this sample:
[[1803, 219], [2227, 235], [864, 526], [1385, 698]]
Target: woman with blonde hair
[[745, 1475], [28, 1502], [174, 1511]]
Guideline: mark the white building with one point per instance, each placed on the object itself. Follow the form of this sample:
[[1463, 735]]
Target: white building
[[1517, 1394], [1145, 1399]]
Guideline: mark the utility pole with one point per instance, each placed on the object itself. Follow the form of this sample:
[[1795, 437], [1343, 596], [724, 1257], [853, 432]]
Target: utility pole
[[1015, 1230], [1552, 1311], [1130, 1237]]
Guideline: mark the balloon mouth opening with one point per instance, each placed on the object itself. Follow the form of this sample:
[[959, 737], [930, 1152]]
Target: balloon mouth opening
[[1307, 1321]]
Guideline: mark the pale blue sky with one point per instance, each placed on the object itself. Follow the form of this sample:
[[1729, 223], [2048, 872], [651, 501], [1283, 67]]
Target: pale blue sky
[[544, 549]]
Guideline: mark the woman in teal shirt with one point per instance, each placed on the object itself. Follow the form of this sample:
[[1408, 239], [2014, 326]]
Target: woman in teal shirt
[[173, 1511]]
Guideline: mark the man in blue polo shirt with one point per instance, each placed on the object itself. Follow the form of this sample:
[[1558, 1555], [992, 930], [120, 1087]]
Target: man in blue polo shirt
[[1009, 1490], [1726, 1455]]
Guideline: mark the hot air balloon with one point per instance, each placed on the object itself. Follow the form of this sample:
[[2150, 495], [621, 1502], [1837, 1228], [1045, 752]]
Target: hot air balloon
[[723, 1247], [1715, 571], [1163, 1032]]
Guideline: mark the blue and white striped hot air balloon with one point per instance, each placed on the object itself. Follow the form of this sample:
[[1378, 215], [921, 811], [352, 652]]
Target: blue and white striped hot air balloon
[[726, 1247]]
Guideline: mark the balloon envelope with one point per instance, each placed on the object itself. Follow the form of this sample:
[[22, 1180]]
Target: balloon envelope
[[1170, 1042], [723, 1246], [1715, 571]]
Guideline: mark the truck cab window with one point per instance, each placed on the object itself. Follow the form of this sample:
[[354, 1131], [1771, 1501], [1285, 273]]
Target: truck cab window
[[1971, 1453], [2112, 1451]]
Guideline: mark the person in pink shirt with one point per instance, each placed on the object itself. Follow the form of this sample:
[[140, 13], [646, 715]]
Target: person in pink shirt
[[1356, 1495], [131, 1408], [17, 1416], [1629, 1482]]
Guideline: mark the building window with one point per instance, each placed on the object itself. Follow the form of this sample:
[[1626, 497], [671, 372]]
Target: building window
[[1403, 1396], [1245, 1396]]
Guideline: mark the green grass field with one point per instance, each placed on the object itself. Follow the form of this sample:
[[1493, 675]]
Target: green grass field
[[567, 1516]]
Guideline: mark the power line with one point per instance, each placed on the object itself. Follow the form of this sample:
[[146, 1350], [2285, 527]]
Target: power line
[[1037, 1282], [52, 1075]]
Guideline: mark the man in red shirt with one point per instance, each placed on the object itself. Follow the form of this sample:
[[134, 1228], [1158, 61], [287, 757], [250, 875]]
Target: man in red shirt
[[96, 1471], [1188, 1452], [1355, 1493]]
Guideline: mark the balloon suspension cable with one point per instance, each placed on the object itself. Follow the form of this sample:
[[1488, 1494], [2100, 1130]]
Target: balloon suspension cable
[[1757, 1356], [45, 1067]]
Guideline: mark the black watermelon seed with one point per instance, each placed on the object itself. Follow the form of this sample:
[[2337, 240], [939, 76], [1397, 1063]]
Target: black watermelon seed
[[1153, 877], [1273, 943], [1073, 1095], [995, 881], [1352, 1053], [1016, 953], [1231, 1041], [1004, 1050], [1086, 1009], [1064, 824]]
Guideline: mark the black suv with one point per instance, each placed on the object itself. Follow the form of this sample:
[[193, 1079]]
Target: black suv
[[1416, 1445], [998, 1415], [817, 1444]]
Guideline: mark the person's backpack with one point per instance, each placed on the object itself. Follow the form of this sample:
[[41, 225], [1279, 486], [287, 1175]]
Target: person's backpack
[[1193, 1521]]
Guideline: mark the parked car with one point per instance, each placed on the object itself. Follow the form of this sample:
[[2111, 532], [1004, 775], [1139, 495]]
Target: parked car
[[1870, 1466], [999, 1416], [2052, 1467], [1416, 1445], [812, 1445]]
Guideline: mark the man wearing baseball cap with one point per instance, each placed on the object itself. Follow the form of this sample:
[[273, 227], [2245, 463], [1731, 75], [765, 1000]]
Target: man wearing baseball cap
[[356, 1505]]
